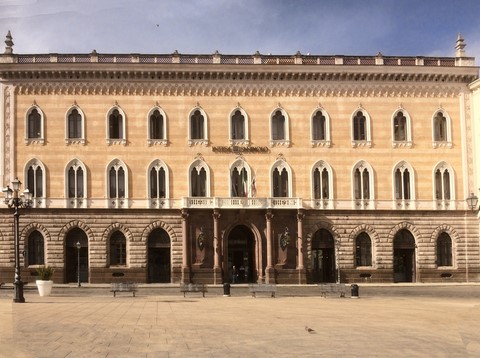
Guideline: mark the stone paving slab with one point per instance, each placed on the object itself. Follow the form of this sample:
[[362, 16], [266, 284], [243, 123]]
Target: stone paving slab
[[241, 326]]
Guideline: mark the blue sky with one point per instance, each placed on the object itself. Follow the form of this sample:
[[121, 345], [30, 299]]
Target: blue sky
[[322, 27]]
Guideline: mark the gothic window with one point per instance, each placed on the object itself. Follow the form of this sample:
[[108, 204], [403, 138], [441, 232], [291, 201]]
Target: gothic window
[[76, 180], [74, 124], [117, 180], [403, 182], [400, 127], [443, 182], [118, 249], [278, 126], [363, 250], [362, 183], [156, 125], [237, 125], [241, 185], [281, 182], [158, 180], [319, 125], [197, 125], [115, 125], [36, 248], [35, 179], [359, 127], [199, 179], [440, 127], [444, 250], [322, 182], [34, 124]]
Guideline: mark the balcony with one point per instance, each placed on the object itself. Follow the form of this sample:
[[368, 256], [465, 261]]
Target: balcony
[[241, 203]]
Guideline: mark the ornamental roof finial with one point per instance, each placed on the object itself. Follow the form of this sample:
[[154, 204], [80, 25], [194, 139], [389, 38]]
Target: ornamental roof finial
[[9, 43], [460, 46]]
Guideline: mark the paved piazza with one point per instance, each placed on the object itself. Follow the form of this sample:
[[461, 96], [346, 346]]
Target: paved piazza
[[387, 321]]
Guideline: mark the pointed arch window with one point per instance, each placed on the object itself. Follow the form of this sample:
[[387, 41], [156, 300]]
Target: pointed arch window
[[403, 182], [363, 250], [444, 250], [442, 136], [362, 182], [36, 248], [158, 183], [199, 175], [117, 184], [401, 129], [361, 129], [75, 126], [322, 181], [36, 182], [198, 133], [157, 127], [240, 180], [76, 184], [320, 128], [34, 125], [116, 126], [281, 180], [443, 185], [238, 127], [279, 127], [118, 249]]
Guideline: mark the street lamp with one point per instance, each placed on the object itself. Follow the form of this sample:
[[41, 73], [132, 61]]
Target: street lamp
[[13, 200], [472, 201], [79, 246]]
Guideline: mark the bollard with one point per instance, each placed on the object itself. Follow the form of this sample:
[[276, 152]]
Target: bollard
[[354, 293], [226, 289]]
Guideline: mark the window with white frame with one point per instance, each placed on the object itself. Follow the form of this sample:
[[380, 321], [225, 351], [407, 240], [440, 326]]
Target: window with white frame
[[363, 180], [320, 128], [35, 174], [199, 175], [34, 125], [76, 175], [198, 129], [441, 124], [240, 179], [158, 180], [117, 176], [443, 182], [361, 128], [281, 180], [403, 181], [75, 126], [401, 129], [279, 128], [116, 126], [157, 126], [238, 126], [322, 181]]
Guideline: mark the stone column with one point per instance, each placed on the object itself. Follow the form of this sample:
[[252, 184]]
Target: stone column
[[185, 248], [269, 270], [217, 271], [300, 258]]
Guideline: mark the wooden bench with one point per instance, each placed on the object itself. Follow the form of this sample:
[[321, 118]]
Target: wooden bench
[[123, 287], [263, 287], [333, 288], [193, 287]]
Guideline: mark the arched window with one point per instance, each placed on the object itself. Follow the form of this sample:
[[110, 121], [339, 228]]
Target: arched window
[[403, 182], [363, 250], [117, 183], [400, 127], [118, 249], [34, 125], [442, 135], [76, 179], [158, 183], [444, 250], [35, 181], [116, 126], [320, 128], [279, 133], [199, 175], [281, 180], [361, 128], [237, 125], [75, 125], [240, 179], [322, 181], [362, 184], [157, 126], [36, 248], [443, 179]]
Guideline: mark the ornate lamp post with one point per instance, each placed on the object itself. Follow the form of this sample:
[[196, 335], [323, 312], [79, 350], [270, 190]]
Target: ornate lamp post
[[79, 246], [13, 200]]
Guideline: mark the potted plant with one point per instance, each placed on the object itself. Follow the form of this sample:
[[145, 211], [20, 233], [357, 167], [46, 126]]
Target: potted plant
[[44, 282]]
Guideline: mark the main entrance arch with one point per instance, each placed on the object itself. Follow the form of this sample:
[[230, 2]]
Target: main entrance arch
[[159, 257], [241, 254], [323, 256], [72, 255], [404, 256]]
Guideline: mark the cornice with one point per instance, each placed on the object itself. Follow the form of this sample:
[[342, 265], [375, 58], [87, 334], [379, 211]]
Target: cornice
[[227, 89]]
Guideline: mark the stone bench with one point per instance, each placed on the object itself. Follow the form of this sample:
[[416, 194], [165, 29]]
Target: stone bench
[[123, 287], [193, 287], [333, 288], [261, 288]]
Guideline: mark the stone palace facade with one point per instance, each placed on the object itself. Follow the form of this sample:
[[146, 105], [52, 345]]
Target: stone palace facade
[[294, 169]]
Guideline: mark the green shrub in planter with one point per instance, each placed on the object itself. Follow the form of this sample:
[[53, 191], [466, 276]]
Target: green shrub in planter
[[45, 273]]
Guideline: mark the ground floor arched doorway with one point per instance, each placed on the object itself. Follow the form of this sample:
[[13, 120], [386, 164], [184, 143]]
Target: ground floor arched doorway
[[404, 257], [323, 256], [73, 255], [241, 255], [159, 257]]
